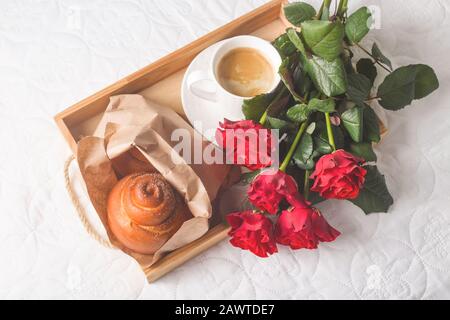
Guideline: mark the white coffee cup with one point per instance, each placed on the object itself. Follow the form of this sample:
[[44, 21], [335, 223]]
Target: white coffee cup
[[205, 85]]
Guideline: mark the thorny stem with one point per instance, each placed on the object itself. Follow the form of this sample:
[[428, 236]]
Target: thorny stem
[[375, 59], [330, 131], [325, 4], [306, 188], [264, 118], [336, 8], [294, 146], [343, 7]]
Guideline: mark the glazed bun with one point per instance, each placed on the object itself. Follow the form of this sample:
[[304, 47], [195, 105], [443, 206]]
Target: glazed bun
[[144, 212]]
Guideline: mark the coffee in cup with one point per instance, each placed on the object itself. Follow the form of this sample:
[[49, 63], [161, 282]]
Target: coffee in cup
[[245, 72], [240, 68]]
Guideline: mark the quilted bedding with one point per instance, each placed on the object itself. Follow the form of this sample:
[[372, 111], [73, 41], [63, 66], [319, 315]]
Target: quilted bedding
[[54, 53]]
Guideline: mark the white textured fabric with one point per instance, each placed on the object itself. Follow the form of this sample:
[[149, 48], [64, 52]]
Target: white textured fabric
[[54, 53]]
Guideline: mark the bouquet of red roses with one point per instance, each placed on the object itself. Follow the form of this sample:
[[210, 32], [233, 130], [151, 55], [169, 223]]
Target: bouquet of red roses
[[328, 129]]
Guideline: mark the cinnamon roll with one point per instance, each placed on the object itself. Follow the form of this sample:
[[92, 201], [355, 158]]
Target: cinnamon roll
[[144, 212]]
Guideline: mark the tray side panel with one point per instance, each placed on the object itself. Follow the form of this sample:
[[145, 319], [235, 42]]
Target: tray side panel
[[167, 92], [180, 256]]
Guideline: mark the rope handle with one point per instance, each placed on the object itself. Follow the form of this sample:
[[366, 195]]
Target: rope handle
[[81, 211]]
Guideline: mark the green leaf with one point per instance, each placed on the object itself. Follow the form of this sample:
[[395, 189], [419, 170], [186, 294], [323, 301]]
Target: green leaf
[[322, 146], [297, 12], [406, 84], [324, 38], [371, 125], [375, 196], [305, 148], [426, 81], [347, 57], [248, 177], [325, 106], [328, 77], [299, 113], [309, 165], [302, 81], [287, 77], [367, 68], [273, 102], [314, 94], [359, 87], [278, 105], [304, 85], [284, 46], [254, 108], [315, 198], [276, 123], [379, 56], [397, 90], [352, 120], [339, 137], [312, 127], [363, 150], [296, 40], [358, 25], [303, 155]]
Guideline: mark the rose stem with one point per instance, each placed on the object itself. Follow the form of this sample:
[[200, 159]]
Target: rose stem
[[330, 131], [375, 59], [343, 7], [325, 4], [306, 189], [336, 8], [294, 146], [263, 118]]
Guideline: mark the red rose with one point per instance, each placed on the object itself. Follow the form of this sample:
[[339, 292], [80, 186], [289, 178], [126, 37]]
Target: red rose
[[339, 176], [246, 143], [303, 227], [269, 188], [253, 232]]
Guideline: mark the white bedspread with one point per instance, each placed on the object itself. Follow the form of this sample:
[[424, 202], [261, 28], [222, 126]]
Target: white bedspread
[[53, 53]]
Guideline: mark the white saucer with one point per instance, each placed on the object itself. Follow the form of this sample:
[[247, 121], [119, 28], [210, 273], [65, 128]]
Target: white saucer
[[204, 115]]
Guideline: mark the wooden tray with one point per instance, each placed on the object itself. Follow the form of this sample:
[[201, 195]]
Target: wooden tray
[[161, 82]]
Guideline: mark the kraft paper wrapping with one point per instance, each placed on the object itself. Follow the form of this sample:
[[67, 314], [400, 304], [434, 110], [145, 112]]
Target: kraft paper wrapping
[[132, 121]]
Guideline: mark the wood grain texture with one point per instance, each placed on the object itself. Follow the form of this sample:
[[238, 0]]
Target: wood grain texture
[[177, 258]]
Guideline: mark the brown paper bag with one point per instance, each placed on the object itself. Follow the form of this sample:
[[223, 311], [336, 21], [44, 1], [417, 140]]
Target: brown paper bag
[[131, 121]]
